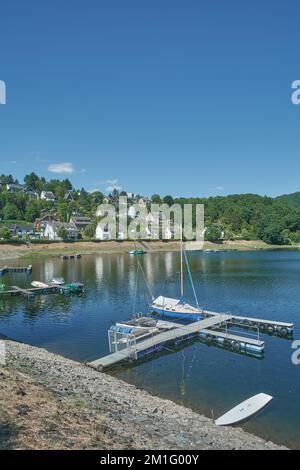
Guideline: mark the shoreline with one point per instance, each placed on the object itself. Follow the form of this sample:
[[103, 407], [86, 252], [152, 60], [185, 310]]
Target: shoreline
[[50, 250], [54, 402]]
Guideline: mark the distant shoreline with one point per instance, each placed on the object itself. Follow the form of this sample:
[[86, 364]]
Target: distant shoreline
[[54, 250]]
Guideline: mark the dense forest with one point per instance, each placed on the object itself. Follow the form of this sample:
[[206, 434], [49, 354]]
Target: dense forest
[[244, 216]]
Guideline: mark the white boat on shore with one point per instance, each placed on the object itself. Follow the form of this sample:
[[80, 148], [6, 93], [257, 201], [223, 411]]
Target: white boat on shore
[[244, 410], [39, 284]]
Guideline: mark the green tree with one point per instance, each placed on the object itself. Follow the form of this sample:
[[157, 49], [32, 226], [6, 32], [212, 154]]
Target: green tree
[[213, 233], [62, 233], [168, 200], [155, 198], [32, 181], [272, 234], [11, 212], [90, 231], [4, 233], [32, 211]]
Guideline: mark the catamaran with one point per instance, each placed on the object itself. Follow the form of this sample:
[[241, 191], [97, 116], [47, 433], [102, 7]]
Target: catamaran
[[178, 308]]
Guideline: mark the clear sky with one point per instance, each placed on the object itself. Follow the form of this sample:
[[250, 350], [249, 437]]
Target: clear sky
[[181, 97]]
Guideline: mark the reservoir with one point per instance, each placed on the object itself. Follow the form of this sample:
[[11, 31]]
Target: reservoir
[[263, 284]]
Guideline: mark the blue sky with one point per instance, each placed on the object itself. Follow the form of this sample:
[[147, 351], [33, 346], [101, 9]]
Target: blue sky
[[186, 98]]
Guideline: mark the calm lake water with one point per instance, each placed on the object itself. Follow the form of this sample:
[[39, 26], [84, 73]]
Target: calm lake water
[[207, 379]]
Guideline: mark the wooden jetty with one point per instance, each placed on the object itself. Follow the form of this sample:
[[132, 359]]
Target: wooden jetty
[[76, 256], [16, 269], [17, 291], [135, 350], [32, 291]]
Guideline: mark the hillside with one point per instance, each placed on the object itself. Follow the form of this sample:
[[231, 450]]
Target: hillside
[[234, 217], [292, 199]]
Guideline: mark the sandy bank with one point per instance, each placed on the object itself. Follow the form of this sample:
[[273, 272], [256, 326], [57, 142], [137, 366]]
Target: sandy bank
[[33, 251]]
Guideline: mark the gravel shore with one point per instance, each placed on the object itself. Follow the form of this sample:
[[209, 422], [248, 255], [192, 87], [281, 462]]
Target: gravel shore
[[102, 411]]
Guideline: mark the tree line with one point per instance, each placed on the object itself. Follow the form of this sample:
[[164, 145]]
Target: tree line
[[239, 216]]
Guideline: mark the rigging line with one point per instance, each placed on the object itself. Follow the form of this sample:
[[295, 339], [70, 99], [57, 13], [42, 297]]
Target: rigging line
[[181, 266], [145, 279], [191, 279], [136, 289]]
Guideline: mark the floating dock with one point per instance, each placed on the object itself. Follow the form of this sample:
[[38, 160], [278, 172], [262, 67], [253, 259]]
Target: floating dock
[[260, 324], [231, 341], [210, 329], [16, 269], [32, 291], [135, 350]]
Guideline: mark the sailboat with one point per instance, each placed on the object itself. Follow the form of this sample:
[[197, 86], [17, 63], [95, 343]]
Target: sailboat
[[178, 308]]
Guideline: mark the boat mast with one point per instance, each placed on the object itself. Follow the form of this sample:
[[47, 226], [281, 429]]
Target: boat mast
[[181, 265]]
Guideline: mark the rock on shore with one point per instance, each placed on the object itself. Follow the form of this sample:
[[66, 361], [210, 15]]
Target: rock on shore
[[90, 409]]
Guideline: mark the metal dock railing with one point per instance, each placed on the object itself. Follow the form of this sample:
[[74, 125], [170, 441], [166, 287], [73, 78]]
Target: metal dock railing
[[133, 349]]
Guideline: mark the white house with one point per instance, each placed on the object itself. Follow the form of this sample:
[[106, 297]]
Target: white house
[[102, 233], [52, 229], [13, 187], [47, 196], [132, 212]]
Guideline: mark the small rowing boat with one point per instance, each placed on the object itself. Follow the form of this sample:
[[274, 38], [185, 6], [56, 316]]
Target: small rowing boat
[[39, 284]]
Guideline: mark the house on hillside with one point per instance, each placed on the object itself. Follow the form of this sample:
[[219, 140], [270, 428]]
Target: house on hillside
[[102, 233], [77, 213], [52, 231], [68, 196], [14, 187], [81, 222], [24, 231], [32, 194], [46, 217], [48, 196]]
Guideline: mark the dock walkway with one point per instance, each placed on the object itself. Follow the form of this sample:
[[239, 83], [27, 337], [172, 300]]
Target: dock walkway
[[250, 321], [156, 341], [15, 269]]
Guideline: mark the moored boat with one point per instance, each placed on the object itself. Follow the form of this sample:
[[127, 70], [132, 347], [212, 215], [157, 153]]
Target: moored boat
[[39, 284], [175, 308], [57, 281], [178, 308], [73, 287]]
